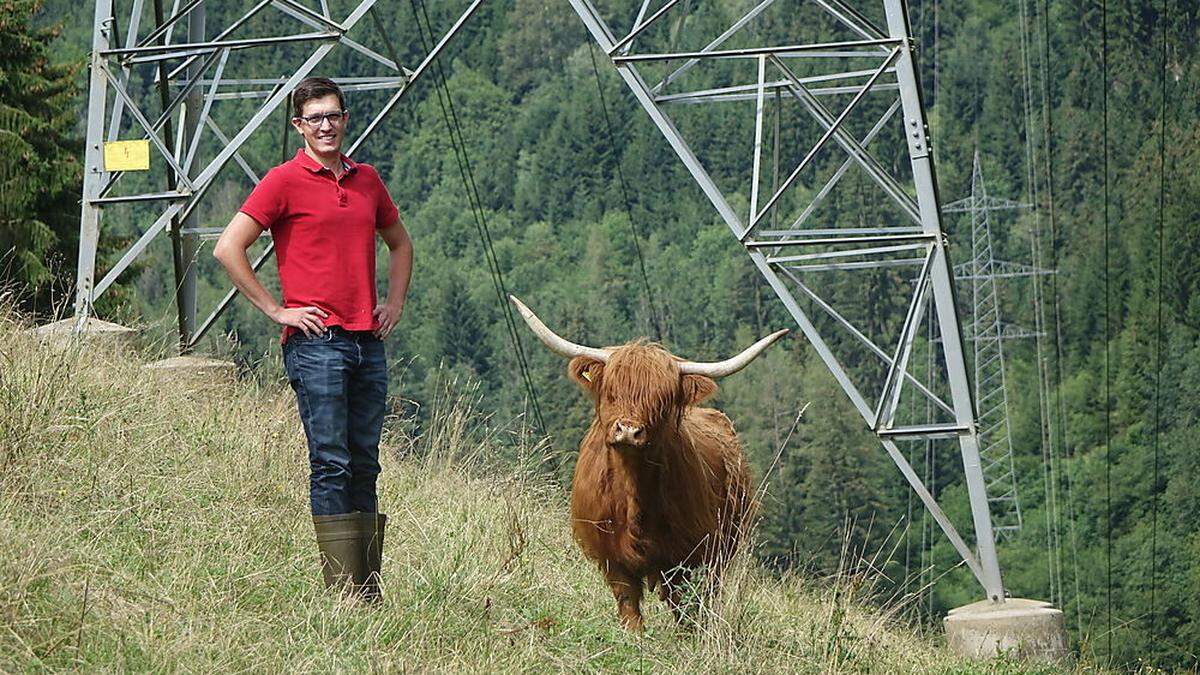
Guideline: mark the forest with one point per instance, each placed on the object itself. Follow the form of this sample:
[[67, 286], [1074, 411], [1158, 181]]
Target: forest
[[1088, 111]]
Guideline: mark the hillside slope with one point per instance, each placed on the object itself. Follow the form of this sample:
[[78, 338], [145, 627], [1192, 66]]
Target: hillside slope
[[146, 527]]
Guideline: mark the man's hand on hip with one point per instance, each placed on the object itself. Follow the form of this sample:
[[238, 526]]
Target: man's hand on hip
[[307, 319], [387, 314]]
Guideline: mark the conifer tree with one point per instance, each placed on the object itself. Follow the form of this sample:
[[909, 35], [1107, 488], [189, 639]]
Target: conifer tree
[[460, 327], [39, 169]]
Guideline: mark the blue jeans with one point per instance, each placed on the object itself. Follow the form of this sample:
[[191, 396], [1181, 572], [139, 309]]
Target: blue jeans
[[340, 379]]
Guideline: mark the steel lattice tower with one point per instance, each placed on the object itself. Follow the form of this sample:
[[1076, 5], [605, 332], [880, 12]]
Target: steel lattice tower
[[192, 102], [987, 332]]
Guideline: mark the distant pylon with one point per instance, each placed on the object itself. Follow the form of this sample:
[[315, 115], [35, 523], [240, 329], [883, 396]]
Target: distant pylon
[[987, 332]]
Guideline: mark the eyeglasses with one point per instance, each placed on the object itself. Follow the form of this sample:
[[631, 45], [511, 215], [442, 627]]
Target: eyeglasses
[[315, 121]]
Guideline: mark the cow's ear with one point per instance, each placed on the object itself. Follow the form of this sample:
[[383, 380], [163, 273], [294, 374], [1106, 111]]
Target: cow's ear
[[586, 371], [696, 388]]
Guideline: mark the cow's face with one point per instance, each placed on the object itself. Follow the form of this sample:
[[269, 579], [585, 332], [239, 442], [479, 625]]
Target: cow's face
[[638, 393]]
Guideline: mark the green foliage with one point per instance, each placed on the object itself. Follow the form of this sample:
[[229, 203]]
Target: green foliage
[[460, 328], [39, 171]]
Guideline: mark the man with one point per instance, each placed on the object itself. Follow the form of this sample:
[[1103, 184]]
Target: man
[[323, 211]]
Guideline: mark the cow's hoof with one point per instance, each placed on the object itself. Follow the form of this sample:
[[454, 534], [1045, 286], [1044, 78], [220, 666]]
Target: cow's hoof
[[633, 624]]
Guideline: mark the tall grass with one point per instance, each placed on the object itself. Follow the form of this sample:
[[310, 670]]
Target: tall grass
[[148, 525]]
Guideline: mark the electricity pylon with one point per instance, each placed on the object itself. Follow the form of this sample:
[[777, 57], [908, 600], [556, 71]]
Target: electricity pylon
[[987, 333], [193, 106], [828, 81]]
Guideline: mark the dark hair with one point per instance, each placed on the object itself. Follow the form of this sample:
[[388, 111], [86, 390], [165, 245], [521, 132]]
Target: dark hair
[[314, 87]]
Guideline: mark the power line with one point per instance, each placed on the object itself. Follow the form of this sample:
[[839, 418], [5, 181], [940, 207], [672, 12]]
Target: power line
[[1053, 514], [1158, 337], [458, 143], [1107, 335], [1064, 444]]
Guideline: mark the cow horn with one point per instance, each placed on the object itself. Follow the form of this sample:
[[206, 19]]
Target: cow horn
[[557, 344], [731, 366]]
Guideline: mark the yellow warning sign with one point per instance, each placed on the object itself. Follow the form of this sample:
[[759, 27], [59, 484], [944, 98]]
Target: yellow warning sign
[[127, 156]]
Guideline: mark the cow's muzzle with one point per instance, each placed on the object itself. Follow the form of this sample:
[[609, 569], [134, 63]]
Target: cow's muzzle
[[624, 432]]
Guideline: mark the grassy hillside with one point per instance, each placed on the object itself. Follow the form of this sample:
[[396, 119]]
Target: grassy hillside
[[146, 527]]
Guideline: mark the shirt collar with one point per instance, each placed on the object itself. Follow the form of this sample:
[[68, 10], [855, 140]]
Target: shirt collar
[[316, 167]]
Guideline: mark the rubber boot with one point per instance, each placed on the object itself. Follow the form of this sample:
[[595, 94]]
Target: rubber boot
[[371, 527], [342, 562]]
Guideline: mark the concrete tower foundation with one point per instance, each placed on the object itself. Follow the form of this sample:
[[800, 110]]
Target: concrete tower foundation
[[1026, 629], [95, 331]]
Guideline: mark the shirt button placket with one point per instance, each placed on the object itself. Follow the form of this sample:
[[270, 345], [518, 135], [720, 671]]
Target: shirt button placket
[[341, 192]]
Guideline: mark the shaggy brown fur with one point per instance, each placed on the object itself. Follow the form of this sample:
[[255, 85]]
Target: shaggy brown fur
[[660, 511]]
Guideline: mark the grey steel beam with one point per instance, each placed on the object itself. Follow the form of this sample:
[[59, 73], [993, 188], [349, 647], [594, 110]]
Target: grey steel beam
[[343, 82], [307, 16], [416, 74], [168, 23], [832, 129], [192, 50], [229, 296], [924, 431], [209, 233], [729, 32], [638, 28], [893, 385], [186, 247], [292, 9], [380, 83], [237, 156], [135, 17], [834, 232], [166, 153], [850, 145], [852, 19], [841, 170], [229, 30], [758, 134], [204, 178], [144, 197], [93, 166], [843, 241], [206, 108], [846, 253], [713, 96], [942, 281], [865, 265], [637, 20], [752, 88], [835, 49], [789, 272]]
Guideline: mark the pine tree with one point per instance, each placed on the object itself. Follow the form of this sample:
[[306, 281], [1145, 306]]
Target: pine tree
[[39, 170], [460, 328]]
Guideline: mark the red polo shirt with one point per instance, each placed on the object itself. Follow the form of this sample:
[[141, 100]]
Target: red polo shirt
[[324, 232]]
